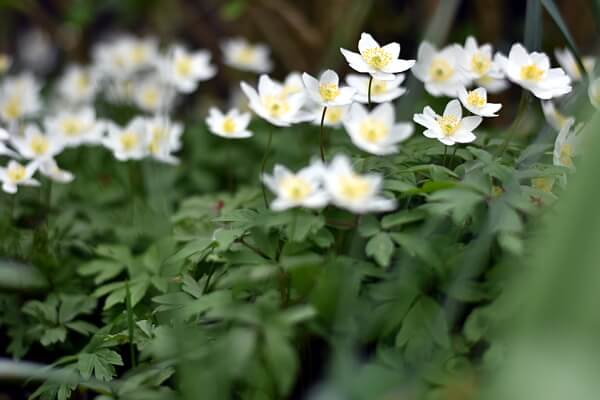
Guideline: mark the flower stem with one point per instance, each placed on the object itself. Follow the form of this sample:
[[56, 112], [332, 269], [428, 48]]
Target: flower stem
[[511, 131], [453, 154], [322, 137], [263, 165], [369, 92], [445, 155]]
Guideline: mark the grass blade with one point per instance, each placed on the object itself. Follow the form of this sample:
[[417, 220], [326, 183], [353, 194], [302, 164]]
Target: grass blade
[[533, 25]]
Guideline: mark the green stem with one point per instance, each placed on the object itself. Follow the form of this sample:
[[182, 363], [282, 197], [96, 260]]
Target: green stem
[[322, 136], [129, 323], [369, 92], [263, 164], [445, 155], [517, 122], [453, 154]]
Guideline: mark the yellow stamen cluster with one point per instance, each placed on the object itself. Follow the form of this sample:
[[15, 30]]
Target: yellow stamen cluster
[[475, 100], [138, 54], [440, 70], [480, 63], [39, 145], [449, 124], [329, 91], [334, 115], [376, 57], [543, 184], [373, 130], [150, 97], [531, 72], [158, 135], [246, 55], [295, 188], [183, 66], [129, 140], [229, 125], [354, 187], [13, 109], [17, 173], [566, 155], [72, 126], [378, 87], [276, 106]]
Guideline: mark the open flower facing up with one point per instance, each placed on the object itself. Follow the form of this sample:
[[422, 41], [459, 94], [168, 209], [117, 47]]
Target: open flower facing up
[[19, 97], [75, 128], [163, 138], [449, 128], [476, 102], [376, 132], [594, 93], [566, 145], [232, 125], [184, 69], [35, 145], [239, 53], [151, 95], [129, 142], [553, 116], [78, 85], [272, 104], [354, 192], [479, 66], [440, 70], [333, 117], [125, 55], [15, 174], [533, 72], [381, 91], [381, 62], [301, 189], [567, 61], [326, 91]]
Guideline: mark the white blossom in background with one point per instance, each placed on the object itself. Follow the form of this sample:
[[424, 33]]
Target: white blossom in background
[[36, 51], [232, 125], [381, 91], [480, 67], [151, 95], [19, 97], [567, 145], [567, 61], [4, 150], [15, 174], [129, 142], [75, 128], [333, 117], [35, 145], [273, 105], [381, 62], [6, 62], [532, 71], [352, 191], [293, 84], [123, 56], [594, 93], [301, 189], [476, 102], [240, 54], [163, 138], [376, 132], [50, 169], [440, 70], [78, 85], [185, 69], [449, 128], [326, 91], [554, 117]]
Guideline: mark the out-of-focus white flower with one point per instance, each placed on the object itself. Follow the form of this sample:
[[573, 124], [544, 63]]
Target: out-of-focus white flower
[[35, 145], [272, 104], [164, 138], [15, 174], [301, 189], [440, 70], [594, 93], [381, 91], [19, 97], [120, 90], [75, 128], [78, 85], [449, 128], [125, 55], [293, 84], [354, 192], [476, 102], [326, 91], [567, 61], [533, 72], [4, 150], [129, 142], [50, 169], [333, 117], [381, 62], [186, 69], [479, 65], [376, 132], [5, 63], [152, 96], [566, 145], [239, 53], [36, 51], [554, 117], [232, 125]]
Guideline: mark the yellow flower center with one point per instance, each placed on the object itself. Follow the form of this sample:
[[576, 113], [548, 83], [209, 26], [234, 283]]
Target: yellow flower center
[[531, 72], [72, 126], [183, 66], [373, 130], [246, 55], [329, 91], [158, 134], [150, 97], [566, 155], [13, 108], [376, 57], [295, 188], [378, 87], [276, 105], [449, 124], [138, 54], [4, 63], [475, 100], [82, 82], [39, 145], [480, 64], [129, 140], [229, 125], [354, 187], [334, 115], [543, 184], [440, 70], [17, 173]]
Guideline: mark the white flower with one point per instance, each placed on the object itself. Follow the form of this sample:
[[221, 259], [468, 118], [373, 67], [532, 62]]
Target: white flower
[[533, 72], [553, 116], [125, 55], [239, 53], [15, 174], [19, 97], [75, 128], [233, 125], [34, 145], [301, 189], [164, 138], [4, 150], [50, 169], [376, 132], [333, 117], [566, 145], [381, 91], [476, 102], [440, 70], [380, 62], [326, 91], [151, 95], [5, 63], [129, 142], [272, 104], [78, 85], [567, 61], [479, 65], [354, 192], [36, 51], [293, 84], [594, 92], [185, 69], [449, 128]]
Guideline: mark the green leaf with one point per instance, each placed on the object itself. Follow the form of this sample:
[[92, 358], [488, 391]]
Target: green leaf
[[381, 248], [103, 269], [402, 217], [100, 364], [281, 359], [368, 226], [53, 335]]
